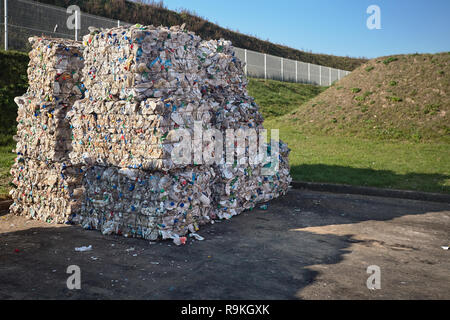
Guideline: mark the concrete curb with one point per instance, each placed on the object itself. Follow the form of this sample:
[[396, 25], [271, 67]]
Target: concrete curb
[[371, 191]]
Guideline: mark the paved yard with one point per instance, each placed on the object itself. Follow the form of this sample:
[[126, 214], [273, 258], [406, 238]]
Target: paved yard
[[307, 245]]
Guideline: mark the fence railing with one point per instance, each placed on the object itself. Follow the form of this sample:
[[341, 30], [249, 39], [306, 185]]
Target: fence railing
[[266, 66], [25, 18]]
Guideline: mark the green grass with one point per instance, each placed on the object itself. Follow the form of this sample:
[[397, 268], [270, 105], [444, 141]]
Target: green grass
[[6, 160], [13, 83], [364, 162], [277, 98]]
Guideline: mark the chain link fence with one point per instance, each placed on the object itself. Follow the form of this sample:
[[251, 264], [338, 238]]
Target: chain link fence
[[30, 18], [27, 18]]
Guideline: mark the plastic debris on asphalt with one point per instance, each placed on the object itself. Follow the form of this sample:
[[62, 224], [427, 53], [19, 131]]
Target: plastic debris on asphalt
[[84, 248], [197, 236]]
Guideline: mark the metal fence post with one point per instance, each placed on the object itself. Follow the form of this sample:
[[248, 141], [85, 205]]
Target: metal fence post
[[329, 75], [245, 59], [320, 75], [296, 78], [118, 23], [265, 66], [309, 73], [76, 25], [282, 71], [6, 24], [339, 74]]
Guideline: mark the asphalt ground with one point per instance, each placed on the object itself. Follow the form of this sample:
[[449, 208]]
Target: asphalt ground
[[306, 245]]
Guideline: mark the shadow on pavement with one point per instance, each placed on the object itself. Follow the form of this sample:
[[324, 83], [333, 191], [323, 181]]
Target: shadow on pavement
[[260, 254]]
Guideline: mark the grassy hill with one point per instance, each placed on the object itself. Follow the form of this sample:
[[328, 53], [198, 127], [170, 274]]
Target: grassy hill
[[384, 125], [276, 98], [404, 97], [157, 14]]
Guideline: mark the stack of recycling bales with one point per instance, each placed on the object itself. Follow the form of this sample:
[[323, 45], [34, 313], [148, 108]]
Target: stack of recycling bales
[[142, 83], [108, 161], [47, 186]]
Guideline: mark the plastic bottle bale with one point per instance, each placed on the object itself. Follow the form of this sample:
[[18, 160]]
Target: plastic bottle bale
[[48, 187], [237, 113], [243, 187], [45, 191], [43, 132], [137, 203], [223, 70], [54, 70], [129, 134], [264, 186], [140, 61]]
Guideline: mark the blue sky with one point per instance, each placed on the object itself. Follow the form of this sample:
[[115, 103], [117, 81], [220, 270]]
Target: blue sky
[[334, 26]]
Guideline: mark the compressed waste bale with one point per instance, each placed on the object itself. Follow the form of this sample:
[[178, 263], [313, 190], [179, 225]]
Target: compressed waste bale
[[150, 205], [54, 70], [46, 191], [43, 132], [268, 186], [242, 187], [225, 83], [223, 73], [140, 61], [131, 134], [134, 63], [54, 75], [237, 113], [47, 186], [222, 67]]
